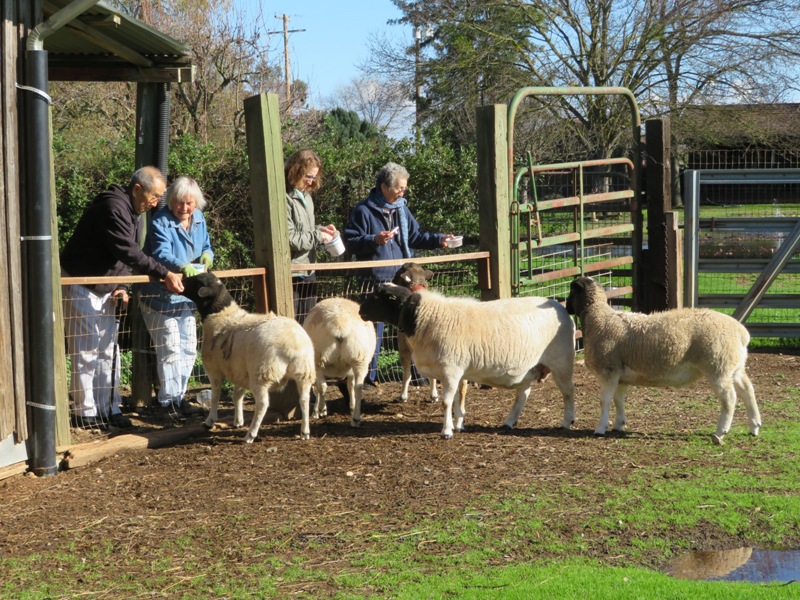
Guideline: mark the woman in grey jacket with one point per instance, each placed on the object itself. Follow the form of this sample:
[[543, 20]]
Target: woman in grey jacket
[[303, 173]]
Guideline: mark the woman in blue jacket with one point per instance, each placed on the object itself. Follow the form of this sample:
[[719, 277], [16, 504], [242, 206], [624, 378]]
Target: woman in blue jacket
[[382, 228], [178, 239]]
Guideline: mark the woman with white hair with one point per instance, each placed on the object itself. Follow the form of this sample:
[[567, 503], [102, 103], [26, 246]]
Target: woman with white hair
[[178, 239]]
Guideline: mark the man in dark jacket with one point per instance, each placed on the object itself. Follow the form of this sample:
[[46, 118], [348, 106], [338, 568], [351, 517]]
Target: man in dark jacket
[[106, 243], [382, 228]]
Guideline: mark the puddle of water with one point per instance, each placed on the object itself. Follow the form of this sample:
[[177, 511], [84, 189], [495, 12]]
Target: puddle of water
[[740, 564]]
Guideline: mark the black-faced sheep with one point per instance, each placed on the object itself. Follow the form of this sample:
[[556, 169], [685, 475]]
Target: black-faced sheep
[[415, 278], [503, 343], [253, 351], [666, 349], [343, 347]]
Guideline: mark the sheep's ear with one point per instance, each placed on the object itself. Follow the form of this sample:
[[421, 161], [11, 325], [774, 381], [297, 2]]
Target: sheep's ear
[[428, 275], [205, 292]]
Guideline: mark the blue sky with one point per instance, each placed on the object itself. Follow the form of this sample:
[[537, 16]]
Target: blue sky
[[334, 42]]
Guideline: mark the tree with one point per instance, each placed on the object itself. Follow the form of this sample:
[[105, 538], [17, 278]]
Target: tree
[[385, 104], [669, 53]]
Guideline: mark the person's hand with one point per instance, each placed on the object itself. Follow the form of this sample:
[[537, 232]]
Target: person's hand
[[205, 260], [328, 233], [385, 236], [173, 282], [188, 270], [446, 238], [120, 298]]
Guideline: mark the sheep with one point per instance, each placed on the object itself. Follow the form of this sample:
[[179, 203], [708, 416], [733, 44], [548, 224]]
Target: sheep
[[343, 347], [504, 343], [415, 277], [667, 349], [259, 352]]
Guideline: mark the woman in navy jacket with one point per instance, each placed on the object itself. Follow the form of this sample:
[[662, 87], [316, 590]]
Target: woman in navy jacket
[[381, 227]]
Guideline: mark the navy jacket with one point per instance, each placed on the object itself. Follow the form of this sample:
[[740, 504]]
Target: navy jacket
[[366, 221], [105, 242]]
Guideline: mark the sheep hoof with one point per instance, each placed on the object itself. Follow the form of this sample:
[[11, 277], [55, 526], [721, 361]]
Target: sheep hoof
[[506, 428], [208, 425], [600, 434], [754, 432], [355, 423], [401, 400], [717, 439], [248, 439], [305, 436], [447, 436]]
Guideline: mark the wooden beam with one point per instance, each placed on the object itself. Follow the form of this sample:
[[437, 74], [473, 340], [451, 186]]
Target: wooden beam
[[493, 198], [69, 71], [268, 197]]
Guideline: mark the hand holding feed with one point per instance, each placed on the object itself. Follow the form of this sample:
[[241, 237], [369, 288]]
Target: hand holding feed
[[188, 270], [205, 260]]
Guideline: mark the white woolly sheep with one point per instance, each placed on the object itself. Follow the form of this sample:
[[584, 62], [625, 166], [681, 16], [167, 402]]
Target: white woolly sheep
[[259, 352], [503, 343], [667, 349], [415, 278], [343, 347]]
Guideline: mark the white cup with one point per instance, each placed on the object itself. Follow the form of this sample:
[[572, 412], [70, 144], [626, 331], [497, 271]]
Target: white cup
[[199, 267], [455, 241], [335, 247], [204, 398]]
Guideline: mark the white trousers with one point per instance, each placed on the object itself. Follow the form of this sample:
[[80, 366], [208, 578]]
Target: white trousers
[[174, 335], [91, 330]]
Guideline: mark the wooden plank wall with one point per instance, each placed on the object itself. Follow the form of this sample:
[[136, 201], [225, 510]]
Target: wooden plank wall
[[13, 418]]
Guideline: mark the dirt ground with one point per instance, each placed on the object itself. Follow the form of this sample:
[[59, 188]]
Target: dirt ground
[[381, 478]]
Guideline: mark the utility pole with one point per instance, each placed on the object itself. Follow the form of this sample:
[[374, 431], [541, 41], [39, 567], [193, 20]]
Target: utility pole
[[287, 71]]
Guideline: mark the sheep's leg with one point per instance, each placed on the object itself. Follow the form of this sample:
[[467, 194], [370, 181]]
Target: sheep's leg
[[434, 391], [745, 390], [261, 395], [405, 361], [355, 388], [320, 387], [607, 389], [216, 392], [449, 387], [619, 405], [523, 391], [727, 403], [238, 405], [305, 409], [563, 381], [461, 407]]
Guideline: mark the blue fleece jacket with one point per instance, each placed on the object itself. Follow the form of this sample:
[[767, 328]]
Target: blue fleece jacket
[[366, 221]]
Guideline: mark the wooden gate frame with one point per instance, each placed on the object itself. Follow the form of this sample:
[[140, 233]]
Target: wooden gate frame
[[636, 212]]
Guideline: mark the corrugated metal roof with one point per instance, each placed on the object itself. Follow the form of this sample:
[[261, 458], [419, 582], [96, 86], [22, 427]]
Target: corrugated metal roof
[[104, 44]]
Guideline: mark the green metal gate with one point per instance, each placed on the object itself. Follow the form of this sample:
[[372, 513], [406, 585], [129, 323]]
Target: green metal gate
[[575, 218]]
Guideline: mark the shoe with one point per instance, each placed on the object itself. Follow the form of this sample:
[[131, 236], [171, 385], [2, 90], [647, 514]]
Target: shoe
[[119, 420], [188, 410], [372, 384], [81, 422]]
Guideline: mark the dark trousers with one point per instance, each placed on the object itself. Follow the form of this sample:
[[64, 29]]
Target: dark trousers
[[304, 292]]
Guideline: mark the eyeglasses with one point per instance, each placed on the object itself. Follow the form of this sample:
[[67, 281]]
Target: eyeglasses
[[311, 177]]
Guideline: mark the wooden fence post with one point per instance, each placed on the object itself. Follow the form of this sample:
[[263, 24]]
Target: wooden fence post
[[270, 223], [658, 195], [268, 197], [493, 197]]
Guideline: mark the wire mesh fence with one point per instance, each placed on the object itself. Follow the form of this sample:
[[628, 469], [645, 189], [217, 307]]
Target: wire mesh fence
[[110, 345], [145, 357]]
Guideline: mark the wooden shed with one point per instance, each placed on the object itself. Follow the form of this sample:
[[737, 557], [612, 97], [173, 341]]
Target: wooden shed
[[43, 41]]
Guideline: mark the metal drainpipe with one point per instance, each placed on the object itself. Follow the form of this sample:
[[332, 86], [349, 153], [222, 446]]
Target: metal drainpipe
[[162, 133], [38, 243]]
